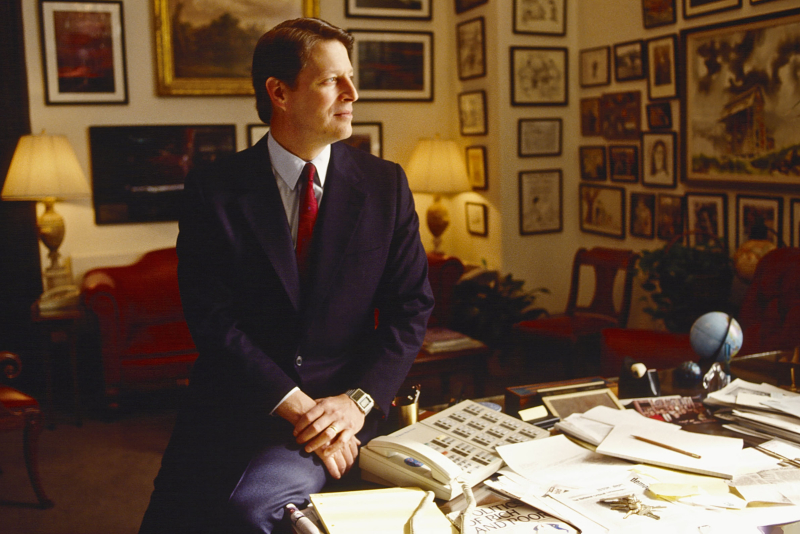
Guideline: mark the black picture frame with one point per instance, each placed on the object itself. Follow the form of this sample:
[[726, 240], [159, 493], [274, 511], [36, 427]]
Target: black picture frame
[[699, 8], [463, 6], [539, 75], [472, 113], [255, 132], [390, 10], [477, 167], [593, 162], [623, 163], [670, 216], [367, 136], [659, 159], [706, 218], [477, 218], [539, 137], [658, 13], [630, 61], [595, 66], [536, 18], [662, 75], [541, 201], [643, 214], [591, 122], [620, 115], [659, 116], [471, 48], [751, 209], [602, 210]]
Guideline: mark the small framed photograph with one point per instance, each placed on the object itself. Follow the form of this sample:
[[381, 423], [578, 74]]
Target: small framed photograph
[[566, 404], [643, 214], [472, 112], [794, 221], [477, 167], [623, 163], [659, 159], [83, 52], [367, 136], [539, 76], [393, 65], [658, 12], [697, 8], [621, 115], [707, 218], [662, 77], [466, 5], [590, 117], [540, 201], [471, 47], [669, 216], [759, 211], [388, 9], [593, 162], [539, 137], [659, 116], [602, 210], [476, 218], [595, 66], [255, 132], [540, 18], [630, 62]]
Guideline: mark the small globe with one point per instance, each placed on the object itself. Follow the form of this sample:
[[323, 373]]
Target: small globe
[[711, 338]]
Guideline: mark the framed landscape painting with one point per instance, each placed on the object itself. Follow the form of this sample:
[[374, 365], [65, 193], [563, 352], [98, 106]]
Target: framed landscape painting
[[393, 65]]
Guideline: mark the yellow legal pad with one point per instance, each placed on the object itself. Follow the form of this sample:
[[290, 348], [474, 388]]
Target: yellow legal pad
[[386, 510]]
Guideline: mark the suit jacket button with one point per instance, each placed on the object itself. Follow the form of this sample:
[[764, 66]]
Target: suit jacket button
[[298, 361]]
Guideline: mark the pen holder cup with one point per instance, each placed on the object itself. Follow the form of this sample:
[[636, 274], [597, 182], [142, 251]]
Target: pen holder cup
[[406, 414]]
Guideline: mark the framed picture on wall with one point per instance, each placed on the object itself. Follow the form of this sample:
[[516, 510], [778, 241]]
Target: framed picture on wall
[[590, 117], [697, 8], [367, 136], [540, 201], [255, 132], [540, 17], [393, 65], [629, 61], [620, 115], [466, 5], [477, 167], [83, 52], [707, 218], [388, 9], [623, 163], [659, 159], [593, 162], [662, 77], [539, 137], [759, 211], [658, 12], [794, 211], [476, 218], [539, 76], [643, 214], [595, 66], [669, 216], [659, 116], [472, 112], [471, 47], [602, 210]]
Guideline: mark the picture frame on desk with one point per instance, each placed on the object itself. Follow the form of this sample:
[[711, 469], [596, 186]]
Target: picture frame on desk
[[564, 405]]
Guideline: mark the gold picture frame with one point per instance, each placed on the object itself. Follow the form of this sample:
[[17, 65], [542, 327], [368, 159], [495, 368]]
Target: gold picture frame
[[188, 74]]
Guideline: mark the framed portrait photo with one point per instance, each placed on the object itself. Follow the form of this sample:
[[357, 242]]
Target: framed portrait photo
[[623, 163], [540, 17], [621, 115], [477, 167], [590, 117], [389, 9], [476, 218], [539, 137], [471, 47], [697, 8], [794, 221], [630, 62], [595, 66], [658, 13], [602, 210], [759, 211], [540, 202], [669, 216], [83, 52], [707, 218], [367, 136], [659, 162], [472, 112], [659, 116], [539, 76], [393, 65], [255, 132], [593, 162], [643, 214], [662, 76]]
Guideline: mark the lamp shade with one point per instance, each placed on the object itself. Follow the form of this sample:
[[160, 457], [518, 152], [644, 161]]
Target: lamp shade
[[44, 166], [437, 166]]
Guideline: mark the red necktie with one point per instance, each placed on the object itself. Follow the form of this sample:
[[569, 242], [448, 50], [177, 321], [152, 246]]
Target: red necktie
[[306, 219]]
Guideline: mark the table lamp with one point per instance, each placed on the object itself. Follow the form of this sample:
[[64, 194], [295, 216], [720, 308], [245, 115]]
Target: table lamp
[[44, 168], [437, 167]]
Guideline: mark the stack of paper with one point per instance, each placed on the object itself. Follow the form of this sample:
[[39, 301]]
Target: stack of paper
[[439, 339]]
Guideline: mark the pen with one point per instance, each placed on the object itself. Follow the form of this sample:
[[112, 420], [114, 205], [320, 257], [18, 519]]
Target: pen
[[302, 524], [777, 455], [665, 446]]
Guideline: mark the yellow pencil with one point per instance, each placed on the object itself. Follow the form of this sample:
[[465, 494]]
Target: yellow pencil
[[665, 446]]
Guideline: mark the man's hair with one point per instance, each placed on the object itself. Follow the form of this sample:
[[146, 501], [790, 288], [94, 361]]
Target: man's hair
[[284, 50]]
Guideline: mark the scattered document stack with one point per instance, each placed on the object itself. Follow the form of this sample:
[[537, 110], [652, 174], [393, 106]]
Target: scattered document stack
[[439, 339]]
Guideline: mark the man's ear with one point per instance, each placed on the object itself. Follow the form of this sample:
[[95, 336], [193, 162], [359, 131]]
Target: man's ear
[[276, 90]]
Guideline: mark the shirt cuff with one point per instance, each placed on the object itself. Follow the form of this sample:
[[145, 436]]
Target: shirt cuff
[[272, 412]]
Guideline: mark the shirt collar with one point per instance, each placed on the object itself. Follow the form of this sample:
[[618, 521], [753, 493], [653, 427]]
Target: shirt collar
[[288, 166]]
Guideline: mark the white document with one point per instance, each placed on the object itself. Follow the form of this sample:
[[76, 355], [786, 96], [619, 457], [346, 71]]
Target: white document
[[603, 414], [583, 428], [784, 422], [787, 405], [727, 395]]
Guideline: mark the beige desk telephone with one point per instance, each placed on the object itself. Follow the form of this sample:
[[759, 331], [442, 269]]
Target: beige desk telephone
[[439, 452]]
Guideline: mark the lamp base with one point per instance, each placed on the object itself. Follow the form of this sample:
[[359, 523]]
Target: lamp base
[[438, 219], [57, 277]]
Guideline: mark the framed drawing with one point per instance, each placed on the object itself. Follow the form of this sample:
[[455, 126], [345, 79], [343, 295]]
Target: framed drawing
[[658, 159], [83, 52], [539, 137], [255, 132], [669, 216], [697, 8], [540, 202], [754, 211], [393, 65], [629, 61], [590, 117], [477, 167], [389, 9], [736, 124], [593, 162], [795, 222], [623, 163], [643, 214], [138, 171], [186, 65], [659, 116], [620, 115], [540, 17], [662, 78], [658, 12], [472, 112], [367, 136], [476, 218], [539, 76], [602, 210], [707, 218], [466, 5], [595, 66], [471, 47]]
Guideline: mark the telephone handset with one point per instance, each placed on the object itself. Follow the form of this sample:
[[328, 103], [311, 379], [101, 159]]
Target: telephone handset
[[441, 467]]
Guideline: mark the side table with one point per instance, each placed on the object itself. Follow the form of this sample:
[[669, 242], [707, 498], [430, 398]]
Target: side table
[[443, 365], [59, 327]]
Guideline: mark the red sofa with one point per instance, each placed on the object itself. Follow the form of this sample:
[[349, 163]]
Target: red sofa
[[144, 342]]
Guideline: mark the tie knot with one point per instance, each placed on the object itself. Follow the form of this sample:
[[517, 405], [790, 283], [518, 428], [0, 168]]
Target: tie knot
[[308, 174]]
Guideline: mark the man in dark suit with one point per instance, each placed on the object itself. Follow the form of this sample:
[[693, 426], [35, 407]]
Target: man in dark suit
[[295, 369]]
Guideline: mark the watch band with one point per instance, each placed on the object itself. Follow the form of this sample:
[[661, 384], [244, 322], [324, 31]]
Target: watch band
[[362, 400]]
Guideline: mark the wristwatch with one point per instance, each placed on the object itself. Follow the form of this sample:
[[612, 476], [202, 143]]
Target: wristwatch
[[362, 400]]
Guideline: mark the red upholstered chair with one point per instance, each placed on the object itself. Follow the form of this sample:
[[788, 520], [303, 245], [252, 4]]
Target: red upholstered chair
[[573, 337], [443, 275], [19, 411]]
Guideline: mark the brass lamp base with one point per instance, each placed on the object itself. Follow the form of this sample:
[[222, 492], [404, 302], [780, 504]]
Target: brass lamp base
[[438, 219]]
